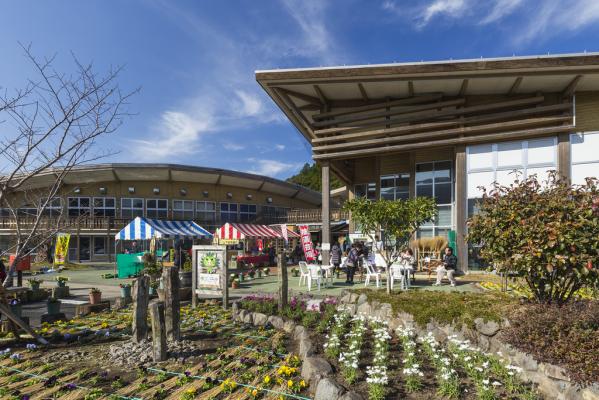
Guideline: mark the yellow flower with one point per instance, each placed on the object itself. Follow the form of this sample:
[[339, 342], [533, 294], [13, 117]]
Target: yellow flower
[[267, 379], [255, 392], [289, 383], [191, 391], [104, 325], [302, 383]]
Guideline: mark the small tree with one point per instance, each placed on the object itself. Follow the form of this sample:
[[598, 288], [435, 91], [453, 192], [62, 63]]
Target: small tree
[[398, 220], [546, 233]]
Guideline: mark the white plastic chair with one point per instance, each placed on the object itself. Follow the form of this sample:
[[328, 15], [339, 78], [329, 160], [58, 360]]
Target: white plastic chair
[[304, 273], [371, 272], [314, 275], [401, 274]]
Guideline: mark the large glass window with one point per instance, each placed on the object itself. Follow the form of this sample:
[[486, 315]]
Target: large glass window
[[132, 207], [228, 212], [104, 207], [395, 187], [54, 208], [79, 206], [247, 212], [584, 156], [183, 209], [99, 245], [157, 208], [367, 190], [206, 211], [435, 179]]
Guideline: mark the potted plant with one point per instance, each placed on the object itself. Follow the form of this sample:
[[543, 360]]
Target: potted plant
[[235, 283], [53, 305], [295, 271], [266, 271], [95, 295], [125, 290], [61, 281], [15, 307], [154, 288], [34, 283]]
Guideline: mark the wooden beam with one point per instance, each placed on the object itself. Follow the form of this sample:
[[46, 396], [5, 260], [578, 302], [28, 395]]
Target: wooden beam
[[571, 87], [301, 96], [381, 114], [461, 204], [506, 115], [410, 88], [363, 92], [382, 104], [422, 115], [530, 122], [463, 88], [445, 142], [343, 172], [515, 86], [321, 95], [293, 107]]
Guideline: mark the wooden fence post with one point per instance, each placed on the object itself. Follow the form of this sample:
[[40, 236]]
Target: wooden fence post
[[283, 284], [141, 297], [159, 346], [172, 311]]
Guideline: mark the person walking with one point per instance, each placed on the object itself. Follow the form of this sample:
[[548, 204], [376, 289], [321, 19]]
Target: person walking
[[450, 262], [335, 257], [352, 263]]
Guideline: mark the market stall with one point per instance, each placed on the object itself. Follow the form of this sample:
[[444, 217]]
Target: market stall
[[252, 237], [146, 229]]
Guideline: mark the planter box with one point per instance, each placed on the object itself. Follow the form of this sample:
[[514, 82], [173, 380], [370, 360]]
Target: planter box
[[84, 309]]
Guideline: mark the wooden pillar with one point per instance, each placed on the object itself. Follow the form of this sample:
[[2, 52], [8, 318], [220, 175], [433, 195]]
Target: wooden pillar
[[159, 346], [170, 279], [194, 277], [461, 204], [225, 281], [412, 160], [108, 246], [283, 282], [141, 296], [78, 242], [563, 156], [326, 213]]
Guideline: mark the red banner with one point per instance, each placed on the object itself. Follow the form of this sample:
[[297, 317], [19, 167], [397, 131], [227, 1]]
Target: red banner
[[307, 243]]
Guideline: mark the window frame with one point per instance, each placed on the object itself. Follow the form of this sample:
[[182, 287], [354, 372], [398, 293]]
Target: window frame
[[155, 212], [104, 207], [186, 214], [79, 214], [433, 226], [131, 209]]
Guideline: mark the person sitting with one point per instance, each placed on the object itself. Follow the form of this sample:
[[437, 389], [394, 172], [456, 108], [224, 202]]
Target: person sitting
[[448, 266]]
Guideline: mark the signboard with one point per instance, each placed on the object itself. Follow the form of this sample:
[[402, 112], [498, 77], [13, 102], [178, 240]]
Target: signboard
[[62, 248], [210, 269], [307, 244], [326, 246]]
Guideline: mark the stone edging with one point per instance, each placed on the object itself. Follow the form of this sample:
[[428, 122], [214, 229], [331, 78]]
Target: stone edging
[[553, 381], [316, 370]]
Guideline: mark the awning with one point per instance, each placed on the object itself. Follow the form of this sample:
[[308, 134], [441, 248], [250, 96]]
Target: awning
[[232, 231], [290, 234], [145, 228]]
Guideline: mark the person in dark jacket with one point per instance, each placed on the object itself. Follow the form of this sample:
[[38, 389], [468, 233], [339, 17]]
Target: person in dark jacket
[[352, 263], [335, 256], [450, 263]]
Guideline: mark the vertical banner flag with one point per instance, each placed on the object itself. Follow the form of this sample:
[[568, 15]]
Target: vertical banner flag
[[62, 248], [307, 242], [284, 232]]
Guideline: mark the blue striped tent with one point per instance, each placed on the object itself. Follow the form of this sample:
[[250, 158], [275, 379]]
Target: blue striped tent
[[146, 228]]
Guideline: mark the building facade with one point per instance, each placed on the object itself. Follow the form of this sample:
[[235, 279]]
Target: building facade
[[97, 201], [445, 129]]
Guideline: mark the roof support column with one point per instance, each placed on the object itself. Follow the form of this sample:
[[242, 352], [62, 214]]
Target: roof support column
[[563, 154], [461, 204], [326, 212]]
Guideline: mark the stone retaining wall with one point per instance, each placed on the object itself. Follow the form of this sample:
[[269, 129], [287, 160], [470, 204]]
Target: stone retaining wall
[[553, 382]]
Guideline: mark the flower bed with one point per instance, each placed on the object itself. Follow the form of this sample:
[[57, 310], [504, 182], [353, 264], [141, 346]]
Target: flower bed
[[250, 362]]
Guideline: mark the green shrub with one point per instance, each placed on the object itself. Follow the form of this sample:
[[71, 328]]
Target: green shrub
[[459, 308], [566, 336]]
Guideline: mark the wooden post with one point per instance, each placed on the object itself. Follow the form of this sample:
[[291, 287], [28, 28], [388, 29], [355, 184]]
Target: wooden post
[[225, 281], [563, 153], [326, 215], [170, 279], [141, 297], [194, 277], [159, 346], [461, 204], [283, 284]]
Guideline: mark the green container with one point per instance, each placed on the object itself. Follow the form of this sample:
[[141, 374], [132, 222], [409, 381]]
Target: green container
[[129, 265], [451, 242], [126, 292], [53, 307]]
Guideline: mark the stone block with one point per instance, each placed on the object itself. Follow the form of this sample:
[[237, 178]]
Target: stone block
[[487, 328], [260, 319], [364, 309], [362, 299], [351, 396], [87, 308], [299, 332], [60, 292], [122, 302], [289, 327], [590, 393], [247, 318], [353, 297], [276, 322], [554, 372], [306, 348], [314, 367], [328, 389]]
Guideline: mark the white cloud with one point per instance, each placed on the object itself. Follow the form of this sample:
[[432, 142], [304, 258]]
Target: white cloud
[[449, 8], [500, 9], [270, 167], [280, 147], [233, 146], [177, 133], [250, 104]]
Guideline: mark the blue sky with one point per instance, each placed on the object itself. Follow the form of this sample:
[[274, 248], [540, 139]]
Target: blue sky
[[195, 60]]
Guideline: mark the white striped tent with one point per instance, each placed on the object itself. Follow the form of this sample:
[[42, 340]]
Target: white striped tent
[[145, 228]]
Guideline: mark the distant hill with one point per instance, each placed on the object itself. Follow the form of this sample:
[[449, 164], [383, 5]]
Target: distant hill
[[310, 177]]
